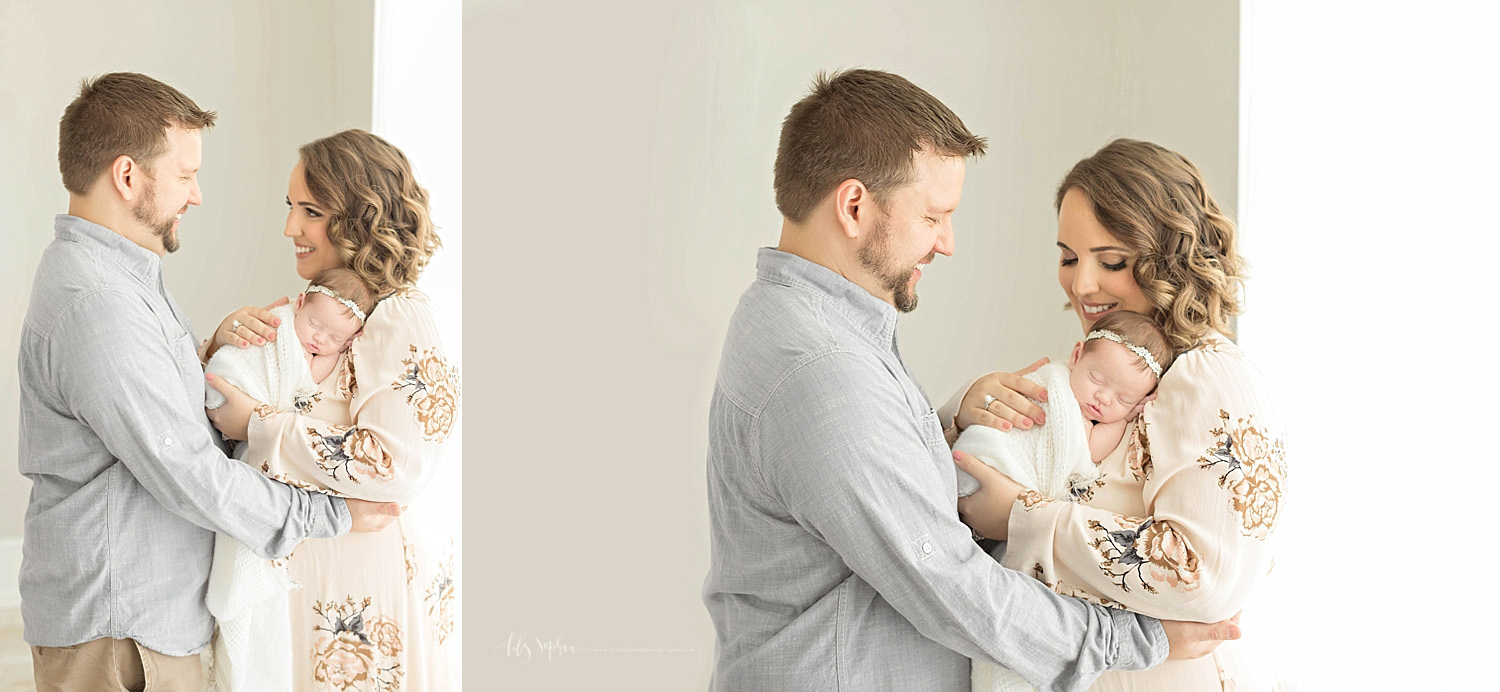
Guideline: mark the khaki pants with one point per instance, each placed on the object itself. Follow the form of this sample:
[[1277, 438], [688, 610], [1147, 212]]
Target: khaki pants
[[113, 665]]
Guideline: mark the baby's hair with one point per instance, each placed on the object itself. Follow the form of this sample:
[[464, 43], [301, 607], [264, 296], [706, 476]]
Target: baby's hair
[[348, 285], [1140, 330]]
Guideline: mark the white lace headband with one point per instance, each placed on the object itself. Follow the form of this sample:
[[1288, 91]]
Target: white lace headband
[[1143, 353], [335, 295]]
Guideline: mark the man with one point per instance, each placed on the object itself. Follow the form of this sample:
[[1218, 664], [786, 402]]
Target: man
[[838, 559], [128, 482]]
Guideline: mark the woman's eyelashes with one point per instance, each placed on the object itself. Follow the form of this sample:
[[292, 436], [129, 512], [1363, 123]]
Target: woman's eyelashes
[[307, 210], [1117, 266]]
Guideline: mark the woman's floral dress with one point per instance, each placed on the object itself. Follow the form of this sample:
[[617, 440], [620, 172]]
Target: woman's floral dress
[[377, 610], [1180, 523]]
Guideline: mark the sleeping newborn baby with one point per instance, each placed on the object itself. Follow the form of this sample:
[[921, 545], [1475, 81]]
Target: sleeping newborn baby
[[1091, 401], [313, 332], [246, 594]]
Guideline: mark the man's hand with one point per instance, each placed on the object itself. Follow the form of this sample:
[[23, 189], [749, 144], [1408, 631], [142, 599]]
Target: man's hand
[[233, 418], [1196, 639], [370, 517], [987, 511]]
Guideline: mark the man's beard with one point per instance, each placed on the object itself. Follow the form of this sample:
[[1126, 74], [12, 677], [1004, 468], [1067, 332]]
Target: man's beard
[[874, 256], [147, 212]]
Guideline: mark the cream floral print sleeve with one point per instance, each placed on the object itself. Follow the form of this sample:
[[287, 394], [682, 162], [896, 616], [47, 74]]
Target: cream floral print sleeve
[[1180, 523], [377, 611]]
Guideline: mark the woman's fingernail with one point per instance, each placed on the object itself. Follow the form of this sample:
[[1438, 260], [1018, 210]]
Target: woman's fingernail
[[1042, 396], [259, 341], [1005, 425], [1025, 422], [1041, 418]]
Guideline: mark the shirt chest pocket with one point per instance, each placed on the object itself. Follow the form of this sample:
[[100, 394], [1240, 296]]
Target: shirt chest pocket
[[931, 430], [189, 368]]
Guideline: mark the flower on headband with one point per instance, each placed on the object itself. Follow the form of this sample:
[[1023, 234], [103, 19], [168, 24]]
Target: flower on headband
[[1138, 350], [335, 295]]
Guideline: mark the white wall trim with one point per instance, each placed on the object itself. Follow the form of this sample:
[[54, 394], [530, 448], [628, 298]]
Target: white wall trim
[[10, 573]]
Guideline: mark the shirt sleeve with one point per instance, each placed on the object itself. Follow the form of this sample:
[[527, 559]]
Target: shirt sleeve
[[869, 481], [403, 400], [111, 368], [1210, 452]]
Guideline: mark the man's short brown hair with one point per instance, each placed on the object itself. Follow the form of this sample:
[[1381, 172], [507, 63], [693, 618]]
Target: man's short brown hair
[[862, 124], [120, 114]]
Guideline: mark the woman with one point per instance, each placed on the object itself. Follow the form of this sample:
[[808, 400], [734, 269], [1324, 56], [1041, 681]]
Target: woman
[[376, 611], [1179, 524]]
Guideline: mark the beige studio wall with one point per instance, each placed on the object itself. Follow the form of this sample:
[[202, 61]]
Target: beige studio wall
[[623, 163], [279, 73]]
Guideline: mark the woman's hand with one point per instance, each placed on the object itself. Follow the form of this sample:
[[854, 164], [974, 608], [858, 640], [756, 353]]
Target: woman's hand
[[233, 418], [245, 325], [987, 511], [1011, 406], [1196, 639]]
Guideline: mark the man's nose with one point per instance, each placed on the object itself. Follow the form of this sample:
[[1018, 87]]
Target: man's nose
[[946, 243]]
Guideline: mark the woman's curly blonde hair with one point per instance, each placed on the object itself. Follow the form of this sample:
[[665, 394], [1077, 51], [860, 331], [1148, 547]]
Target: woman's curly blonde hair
[[377, 213], [1154, 201]]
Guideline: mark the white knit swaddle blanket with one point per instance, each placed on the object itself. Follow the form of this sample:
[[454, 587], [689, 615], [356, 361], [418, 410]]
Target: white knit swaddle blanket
[[246, 594], [1051, 459], [274, 374]]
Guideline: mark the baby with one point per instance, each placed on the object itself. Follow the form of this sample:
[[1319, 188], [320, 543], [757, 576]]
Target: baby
[[246, 594], [323, 323], [1112, 374]]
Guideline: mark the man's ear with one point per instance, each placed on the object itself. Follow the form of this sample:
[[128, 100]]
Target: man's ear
[[127, 177], [852, 202]]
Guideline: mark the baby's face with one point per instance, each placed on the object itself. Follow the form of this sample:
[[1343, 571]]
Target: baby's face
[[1109, 381], [324, 325]]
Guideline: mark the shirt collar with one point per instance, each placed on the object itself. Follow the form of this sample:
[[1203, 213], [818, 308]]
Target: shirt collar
[[134, 258], [867, 313]]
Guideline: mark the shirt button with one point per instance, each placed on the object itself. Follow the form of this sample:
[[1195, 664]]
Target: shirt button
[[927, 548], [167, 441]]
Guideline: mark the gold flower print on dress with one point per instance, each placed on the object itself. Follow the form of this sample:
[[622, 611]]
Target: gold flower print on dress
[[1031, 499], [354, 451], [432, 386], [1063, 589], [347, 385], [353, 654], [1172, 561], [440, 598], [1210, 344], [1254, 469], [265, 411], [265, 469], [303, 405], [1118, 548], [1084, 492], [1138, 452]]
